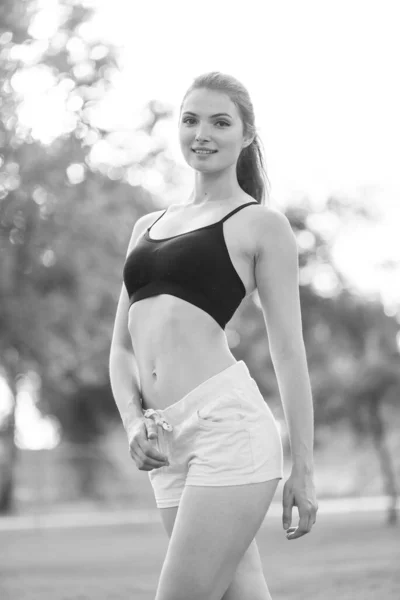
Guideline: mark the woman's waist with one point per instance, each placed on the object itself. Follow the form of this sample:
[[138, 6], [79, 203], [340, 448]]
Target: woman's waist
[[168, 377], [176, 346], [227, 398], [167, 321]]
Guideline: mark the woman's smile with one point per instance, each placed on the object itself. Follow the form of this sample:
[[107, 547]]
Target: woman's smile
[[204, 152]]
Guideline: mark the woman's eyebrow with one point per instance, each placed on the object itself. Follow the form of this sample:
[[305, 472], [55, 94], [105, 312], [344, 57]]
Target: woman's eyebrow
[[188, 112]]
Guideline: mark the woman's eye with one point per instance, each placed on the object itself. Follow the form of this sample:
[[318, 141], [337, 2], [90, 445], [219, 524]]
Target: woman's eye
[[187, 119]]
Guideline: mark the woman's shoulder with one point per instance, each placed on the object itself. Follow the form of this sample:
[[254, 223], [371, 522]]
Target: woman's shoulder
[[148, 219], [263, 215], [141, 224], [266, 225], [271, 229], [268, 214]]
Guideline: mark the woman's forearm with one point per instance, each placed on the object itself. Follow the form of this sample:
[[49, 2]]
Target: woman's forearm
[[296, 396], [124, 385]]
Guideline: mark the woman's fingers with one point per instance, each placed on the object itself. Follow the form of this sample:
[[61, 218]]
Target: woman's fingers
[[306, 522], [296, 532], [152, 435], [144, 461], [151, 428], [143, 450], [149, 450]]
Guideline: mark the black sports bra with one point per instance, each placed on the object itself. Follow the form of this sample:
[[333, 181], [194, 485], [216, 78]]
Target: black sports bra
[[194, 266]]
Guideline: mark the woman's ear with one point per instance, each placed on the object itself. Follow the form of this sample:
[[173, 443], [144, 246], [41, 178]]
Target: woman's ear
[[247, 142]]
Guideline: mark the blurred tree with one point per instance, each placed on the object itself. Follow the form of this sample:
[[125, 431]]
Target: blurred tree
[[60, 261]]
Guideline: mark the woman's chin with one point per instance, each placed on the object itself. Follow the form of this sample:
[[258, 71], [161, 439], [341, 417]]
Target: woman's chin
[[205, 170], [203, 166]]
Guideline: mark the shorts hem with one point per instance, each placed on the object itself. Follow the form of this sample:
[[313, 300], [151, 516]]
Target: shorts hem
[[167, 503], [234, 481]]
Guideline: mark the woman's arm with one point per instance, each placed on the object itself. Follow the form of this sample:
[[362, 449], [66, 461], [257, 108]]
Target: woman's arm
[[124, 385], [276, 272], [295, 391], [123, 371]]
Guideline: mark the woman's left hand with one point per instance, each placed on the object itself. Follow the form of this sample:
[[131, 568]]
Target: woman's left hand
[[299, 490]]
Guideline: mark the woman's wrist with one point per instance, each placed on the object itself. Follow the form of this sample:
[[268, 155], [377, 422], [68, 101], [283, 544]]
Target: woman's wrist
[[132, 415], [128, 422], [303, 467]]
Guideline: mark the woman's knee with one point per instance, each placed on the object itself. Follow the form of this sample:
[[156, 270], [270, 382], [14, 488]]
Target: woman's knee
[[249, 582], [248, 586]]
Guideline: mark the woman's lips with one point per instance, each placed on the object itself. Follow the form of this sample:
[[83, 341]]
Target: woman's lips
[[204, 152]]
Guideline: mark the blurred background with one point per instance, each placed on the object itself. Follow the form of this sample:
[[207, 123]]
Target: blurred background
[[89, 100]]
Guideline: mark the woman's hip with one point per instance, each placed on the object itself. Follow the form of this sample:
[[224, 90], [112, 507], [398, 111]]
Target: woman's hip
[[225, 416]]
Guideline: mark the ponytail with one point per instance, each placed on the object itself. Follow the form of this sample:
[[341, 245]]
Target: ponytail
[[250, 171]]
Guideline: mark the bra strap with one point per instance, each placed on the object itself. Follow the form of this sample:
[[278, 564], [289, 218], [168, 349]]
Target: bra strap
[[158, 218], [236, 210]]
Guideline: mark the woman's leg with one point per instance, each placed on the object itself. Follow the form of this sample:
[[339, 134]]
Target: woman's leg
[[214, 527], [248, 582]]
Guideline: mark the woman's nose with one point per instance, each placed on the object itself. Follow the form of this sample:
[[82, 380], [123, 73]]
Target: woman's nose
[[202, 134]]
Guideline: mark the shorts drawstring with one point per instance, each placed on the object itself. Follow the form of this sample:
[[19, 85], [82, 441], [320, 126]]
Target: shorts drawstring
[[150, 413]]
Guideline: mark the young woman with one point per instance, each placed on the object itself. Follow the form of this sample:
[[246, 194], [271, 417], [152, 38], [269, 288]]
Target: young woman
[[194, 416]]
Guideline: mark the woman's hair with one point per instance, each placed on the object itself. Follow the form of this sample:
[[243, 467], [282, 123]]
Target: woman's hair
[[250, 167]]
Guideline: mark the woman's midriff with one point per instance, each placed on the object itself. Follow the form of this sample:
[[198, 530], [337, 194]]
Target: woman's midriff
[[177, 346]]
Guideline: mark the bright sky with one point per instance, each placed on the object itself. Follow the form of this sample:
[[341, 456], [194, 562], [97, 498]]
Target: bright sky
[[323, 77]]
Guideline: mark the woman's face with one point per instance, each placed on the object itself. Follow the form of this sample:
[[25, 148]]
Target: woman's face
[[209, 120]]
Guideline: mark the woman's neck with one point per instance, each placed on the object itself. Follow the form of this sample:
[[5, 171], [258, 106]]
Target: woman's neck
[[214, 187]]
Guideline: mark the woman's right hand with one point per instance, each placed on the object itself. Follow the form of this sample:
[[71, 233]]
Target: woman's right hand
[[141, 436]]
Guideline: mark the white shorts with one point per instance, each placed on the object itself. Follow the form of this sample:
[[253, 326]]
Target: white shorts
[[221, 433]]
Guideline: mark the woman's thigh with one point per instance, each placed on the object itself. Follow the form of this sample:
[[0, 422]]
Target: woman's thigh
[[213, 528], [248, 582]]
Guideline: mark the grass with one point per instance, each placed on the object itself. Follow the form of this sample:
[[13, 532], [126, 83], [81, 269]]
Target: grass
[[348, 556]]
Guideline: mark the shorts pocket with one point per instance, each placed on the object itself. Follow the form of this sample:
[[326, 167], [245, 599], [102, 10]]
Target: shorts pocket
[[223, 413], [221, 452]]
